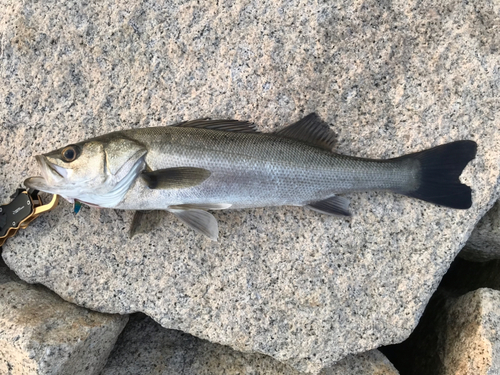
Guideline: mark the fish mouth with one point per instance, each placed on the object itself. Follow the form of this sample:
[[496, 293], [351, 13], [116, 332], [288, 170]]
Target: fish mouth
[[51, 175], [46, 165], [37, 183]]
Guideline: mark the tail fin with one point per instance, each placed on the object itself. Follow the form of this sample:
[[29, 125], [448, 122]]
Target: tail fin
[[440, 169]]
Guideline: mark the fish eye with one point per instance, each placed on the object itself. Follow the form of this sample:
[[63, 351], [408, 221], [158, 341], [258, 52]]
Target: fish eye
[[69, 153]]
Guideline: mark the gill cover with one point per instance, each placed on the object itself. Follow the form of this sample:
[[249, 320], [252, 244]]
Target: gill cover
[[120, 154], [123, 162]]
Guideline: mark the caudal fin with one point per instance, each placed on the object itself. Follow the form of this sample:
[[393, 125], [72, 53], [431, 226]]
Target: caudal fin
[[440, 170]]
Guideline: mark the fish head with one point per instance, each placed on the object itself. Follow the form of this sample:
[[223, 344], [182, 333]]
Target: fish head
[[76, 167], [97, 172]]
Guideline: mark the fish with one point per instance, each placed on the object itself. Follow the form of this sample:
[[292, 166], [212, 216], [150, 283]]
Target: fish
[[201, 165]]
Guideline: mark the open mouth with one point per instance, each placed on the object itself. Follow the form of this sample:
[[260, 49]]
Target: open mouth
[[55, 169]]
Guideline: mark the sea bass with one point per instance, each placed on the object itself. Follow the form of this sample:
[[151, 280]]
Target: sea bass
[[202, 165]]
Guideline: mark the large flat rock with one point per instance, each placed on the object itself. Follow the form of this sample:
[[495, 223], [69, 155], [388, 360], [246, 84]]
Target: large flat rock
[[146, 348], [44, 335], [306, 289]]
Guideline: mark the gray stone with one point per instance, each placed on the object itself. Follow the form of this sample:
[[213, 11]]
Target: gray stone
[[42, 334], [472, 339], [439, 332], [304, 288], [372, 362], [484, 242], [146, 348]]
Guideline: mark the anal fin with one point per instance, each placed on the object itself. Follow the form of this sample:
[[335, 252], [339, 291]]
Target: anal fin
[[332, 206]]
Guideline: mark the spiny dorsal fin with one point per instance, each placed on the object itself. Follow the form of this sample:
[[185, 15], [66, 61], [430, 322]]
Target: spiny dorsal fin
[[175, 178], [224, 125], [311, 129]]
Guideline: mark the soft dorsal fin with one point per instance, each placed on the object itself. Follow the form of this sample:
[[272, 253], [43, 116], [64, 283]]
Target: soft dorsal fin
[[224, 125], [311, 129]]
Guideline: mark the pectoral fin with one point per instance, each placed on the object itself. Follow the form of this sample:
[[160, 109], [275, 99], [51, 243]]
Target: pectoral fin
[[332, 206], [175, 178], [199, 220]]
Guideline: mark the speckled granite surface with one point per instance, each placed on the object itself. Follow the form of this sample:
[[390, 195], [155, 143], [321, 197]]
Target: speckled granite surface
[[44, 335], [306, 289], [471, 339], [484, 241], [146, 348]]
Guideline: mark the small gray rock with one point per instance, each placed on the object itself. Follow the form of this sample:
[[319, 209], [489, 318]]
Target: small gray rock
[[430, 342], [372, 362], [146, 348], [42, 334], [472, 337], [484, 242]]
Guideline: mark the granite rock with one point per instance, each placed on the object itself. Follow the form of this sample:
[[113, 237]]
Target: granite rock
[[423, 352], [146, 348], [472, 339], [306, 289], [484, 242], [42, 334]]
